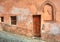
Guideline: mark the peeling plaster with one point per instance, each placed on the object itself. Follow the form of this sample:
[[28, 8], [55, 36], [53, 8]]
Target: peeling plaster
[[29, 21], [55, 29], [22, 17], [1, 9], [24, 12], [18, 18], [16, 10]]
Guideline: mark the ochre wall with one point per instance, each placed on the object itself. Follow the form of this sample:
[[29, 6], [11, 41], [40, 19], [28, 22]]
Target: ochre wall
[[24, 10]]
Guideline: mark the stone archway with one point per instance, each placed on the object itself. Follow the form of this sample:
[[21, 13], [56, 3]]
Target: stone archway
[[52, 6]]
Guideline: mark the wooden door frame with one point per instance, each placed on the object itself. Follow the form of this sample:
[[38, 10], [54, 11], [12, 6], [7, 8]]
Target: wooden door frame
[[40, 25]]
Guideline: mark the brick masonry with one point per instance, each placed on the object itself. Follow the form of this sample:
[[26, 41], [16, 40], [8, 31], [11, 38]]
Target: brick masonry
[[24, 10]]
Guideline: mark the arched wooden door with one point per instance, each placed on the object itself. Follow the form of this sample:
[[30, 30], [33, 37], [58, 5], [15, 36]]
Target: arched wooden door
[[37, 25]]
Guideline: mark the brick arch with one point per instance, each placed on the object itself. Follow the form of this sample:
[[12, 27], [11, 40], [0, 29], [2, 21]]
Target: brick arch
[[53, 7]]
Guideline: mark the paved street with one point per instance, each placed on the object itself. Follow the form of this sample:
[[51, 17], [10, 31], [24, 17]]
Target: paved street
[[8, 37]]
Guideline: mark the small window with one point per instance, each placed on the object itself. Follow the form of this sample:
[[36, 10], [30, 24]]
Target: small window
[[2, 19], [13, 20]]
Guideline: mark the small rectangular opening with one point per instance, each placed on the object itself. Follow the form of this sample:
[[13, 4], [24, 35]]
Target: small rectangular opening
[[2, 19], [13, 20]]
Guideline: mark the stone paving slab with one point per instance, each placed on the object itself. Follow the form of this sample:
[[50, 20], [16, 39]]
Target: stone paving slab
[[8, 37]]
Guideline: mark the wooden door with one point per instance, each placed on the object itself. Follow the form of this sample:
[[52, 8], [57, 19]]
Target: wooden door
[[37, 25]]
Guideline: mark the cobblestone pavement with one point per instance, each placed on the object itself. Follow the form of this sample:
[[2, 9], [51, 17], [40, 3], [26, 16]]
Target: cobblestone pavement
[[8, 37]]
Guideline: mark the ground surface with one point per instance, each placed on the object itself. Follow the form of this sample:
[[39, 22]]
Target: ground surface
[[8, 37]]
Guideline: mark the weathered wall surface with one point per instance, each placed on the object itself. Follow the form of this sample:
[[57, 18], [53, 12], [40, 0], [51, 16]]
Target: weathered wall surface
[[25, 9], [52, 29], [57, 5]]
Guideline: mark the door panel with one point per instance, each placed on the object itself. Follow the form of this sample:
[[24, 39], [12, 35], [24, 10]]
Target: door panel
[[37, 25]]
